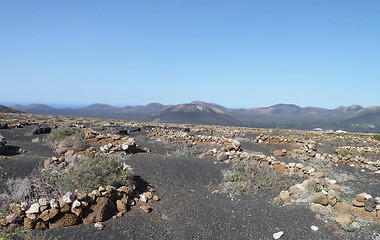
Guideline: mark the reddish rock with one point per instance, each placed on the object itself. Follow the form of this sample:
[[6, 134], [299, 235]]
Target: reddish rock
[[64, 220], [41, 225], [279, 168], [29, 223], [148, 195], [121, 206], [49, 214], [343, 220], [102, 210], [126, 190], [64, 207], [279, 153], [320, 198]]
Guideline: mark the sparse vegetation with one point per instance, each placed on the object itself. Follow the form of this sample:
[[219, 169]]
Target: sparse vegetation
[[64, 138], [244, 177], [84, 174], [19, 234], [185, 151], [376, 137], [93, 172]]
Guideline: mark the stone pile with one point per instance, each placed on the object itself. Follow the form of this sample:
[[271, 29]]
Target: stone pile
[[72, 209], [126, 144], [325, 198]]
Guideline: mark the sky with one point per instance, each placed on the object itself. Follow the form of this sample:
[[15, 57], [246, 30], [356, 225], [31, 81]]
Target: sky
[[240, 54]]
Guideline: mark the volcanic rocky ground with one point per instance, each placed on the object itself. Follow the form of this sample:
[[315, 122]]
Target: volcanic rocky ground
[[193, 200]]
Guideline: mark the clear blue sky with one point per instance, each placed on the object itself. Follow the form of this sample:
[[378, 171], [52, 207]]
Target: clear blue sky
[[235, 53]]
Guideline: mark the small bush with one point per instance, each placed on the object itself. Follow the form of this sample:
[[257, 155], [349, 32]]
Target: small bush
[[376, 137], [185, 151], [100, 170], [84, 174], [250, 176], [64, 138]]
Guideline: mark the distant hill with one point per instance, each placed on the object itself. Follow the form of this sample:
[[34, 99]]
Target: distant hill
[[5, 109], [365, 120], [195, 114], [349, 118]]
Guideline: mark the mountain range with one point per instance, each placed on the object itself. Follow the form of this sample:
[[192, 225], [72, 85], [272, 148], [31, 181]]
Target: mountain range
[[349, 118]]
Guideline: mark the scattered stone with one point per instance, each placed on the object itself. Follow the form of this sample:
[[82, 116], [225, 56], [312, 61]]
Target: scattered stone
[[278, 235], [357, 204], [285, 196], [145, 208], [155, 198], [320, 198], [143, 198], [279, 153], [279, 168], [314, 228], [343, 220], [222, 156], [370, 204], [355, 225], [148, 195], [99, 225]]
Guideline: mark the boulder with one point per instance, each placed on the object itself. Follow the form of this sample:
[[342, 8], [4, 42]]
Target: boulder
[[49, 214], [222, 156], [320, 198], [102, 210], [29, 223], [285, 196], [279, 168], [64, 220], [279, 153], [41, 130], [370, 204], [343, 220]]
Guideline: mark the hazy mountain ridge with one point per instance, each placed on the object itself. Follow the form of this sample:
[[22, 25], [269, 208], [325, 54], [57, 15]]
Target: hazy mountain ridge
[[350, 118]]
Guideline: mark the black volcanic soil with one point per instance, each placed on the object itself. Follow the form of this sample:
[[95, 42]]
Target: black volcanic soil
[[15, 163]]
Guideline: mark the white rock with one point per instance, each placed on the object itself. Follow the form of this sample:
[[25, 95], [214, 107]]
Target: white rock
[[299, 165], [43, 201], [34, 208], [367, 196], [324, 192], [99, 225], [69, 197], [54, 203], [76, 204], [314, 228], [143, 198], [278, 235], [292, 164]]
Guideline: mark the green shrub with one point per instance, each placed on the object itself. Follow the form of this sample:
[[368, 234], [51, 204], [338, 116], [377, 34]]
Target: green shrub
[[376, 137], [85, 173], [65, 138], [101, 170], [244, 177], [185, 151]]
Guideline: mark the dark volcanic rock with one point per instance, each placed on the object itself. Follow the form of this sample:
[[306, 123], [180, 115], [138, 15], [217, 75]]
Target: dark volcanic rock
[[2, 144], [42, 130]]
